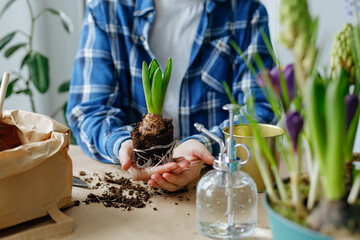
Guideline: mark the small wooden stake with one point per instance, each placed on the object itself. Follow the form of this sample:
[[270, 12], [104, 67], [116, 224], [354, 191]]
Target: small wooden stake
[[4, 85]]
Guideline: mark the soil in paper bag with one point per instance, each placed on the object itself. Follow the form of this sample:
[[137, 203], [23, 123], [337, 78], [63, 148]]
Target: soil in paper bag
[[9, 137]]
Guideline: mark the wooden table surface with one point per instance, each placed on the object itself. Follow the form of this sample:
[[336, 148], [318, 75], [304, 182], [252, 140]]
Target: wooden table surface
[[173, 219]]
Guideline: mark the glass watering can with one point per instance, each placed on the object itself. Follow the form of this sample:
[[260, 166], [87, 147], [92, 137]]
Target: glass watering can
[[226, 197]]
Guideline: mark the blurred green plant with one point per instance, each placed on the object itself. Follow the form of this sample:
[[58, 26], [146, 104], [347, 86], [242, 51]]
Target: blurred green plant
[[36, 63], [321, 116]]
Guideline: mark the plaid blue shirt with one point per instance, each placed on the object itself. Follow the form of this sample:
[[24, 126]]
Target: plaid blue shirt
[[106, 93]]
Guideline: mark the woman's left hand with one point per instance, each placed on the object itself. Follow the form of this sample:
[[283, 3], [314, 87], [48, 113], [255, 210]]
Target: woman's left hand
[[193, 151]]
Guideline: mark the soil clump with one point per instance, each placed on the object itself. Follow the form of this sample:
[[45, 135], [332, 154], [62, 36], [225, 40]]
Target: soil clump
[[153, 132]]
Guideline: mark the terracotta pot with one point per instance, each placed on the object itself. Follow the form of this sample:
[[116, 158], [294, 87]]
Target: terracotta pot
[[284, 229]]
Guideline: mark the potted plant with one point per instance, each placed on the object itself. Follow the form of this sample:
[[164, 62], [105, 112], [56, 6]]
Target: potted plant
[[320, 113], [153, 137]]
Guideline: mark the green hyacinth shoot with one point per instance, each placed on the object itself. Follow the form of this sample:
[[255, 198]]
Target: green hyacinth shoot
[[155, 84]]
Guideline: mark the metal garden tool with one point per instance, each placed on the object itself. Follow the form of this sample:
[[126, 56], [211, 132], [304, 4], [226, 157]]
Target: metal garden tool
[[77, 182]]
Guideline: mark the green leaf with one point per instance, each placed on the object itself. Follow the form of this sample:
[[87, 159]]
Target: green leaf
[[244, 58], [335, 118], [165, 81], [355, 50], [147, 87], [39, 71], [53, 11], [357, 81], [7, 5], [25, 60], [5, 40], [313, 30], [269, 47], [154, 65], [167, 75], [10, 88], [64, 87], [65, 20], [315, 91], [156, 91], [10, 51], [355, 44], [228, 92], [25, 91]]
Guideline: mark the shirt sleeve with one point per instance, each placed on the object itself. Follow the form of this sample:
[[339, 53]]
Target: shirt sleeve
[[93, 111], [244, 85]]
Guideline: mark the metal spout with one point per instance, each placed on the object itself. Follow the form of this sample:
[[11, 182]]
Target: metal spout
[[202, 129]]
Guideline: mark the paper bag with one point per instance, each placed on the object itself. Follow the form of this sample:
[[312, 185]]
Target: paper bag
[[36, 175]]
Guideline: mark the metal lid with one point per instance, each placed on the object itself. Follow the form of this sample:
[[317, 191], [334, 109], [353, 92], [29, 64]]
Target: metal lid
[[224, 163], [227, 160]]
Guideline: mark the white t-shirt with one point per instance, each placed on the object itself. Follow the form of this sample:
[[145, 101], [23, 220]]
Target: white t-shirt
[[172, 35]]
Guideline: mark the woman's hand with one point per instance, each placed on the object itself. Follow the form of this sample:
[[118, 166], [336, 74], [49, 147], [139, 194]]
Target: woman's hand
[[125, 154], [192, 151]]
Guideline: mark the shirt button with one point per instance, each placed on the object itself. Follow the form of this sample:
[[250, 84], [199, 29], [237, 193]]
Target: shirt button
[[142, 38], [150, 15], [221, 45], [137, 12]]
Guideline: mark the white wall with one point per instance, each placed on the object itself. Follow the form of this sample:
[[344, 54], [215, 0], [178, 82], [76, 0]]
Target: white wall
[[51, 40], [332, 18]]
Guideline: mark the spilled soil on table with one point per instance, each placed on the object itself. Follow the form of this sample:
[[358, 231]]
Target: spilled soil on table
[[124, 193]]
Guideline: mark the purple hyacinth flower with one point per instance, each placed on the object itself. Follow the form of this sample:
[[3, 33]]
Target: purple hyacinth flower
[[275, 80], [274, 77], [351, 104], [294, 125], [290, 80]]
